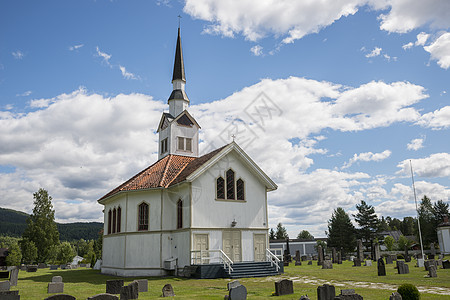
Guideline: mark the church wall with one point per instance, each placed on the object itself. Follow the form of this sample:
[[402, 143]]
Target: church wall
[[183, 131], [113, 251], [153, 199], [179, 248], [143, 250], [170, 201], [114, 203]]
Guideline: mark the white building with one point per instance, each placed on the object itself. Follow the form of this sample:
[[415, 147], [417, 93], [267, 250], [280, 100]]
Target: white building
[[443, 233], [162, 217]]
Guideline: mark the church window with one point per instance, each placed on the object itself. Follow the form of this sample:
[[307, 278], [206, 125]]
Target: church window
[[164, 146], [114, 221], [240, 190], [184, 144], [109, 221], [220, 188], [119, 218], [180, 214], [143, 217], [180, 143], [230, 184], [188, 144]]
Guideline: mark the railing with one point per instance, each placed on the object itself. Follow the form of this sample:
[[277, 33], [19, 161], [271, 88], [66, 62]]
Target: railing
[[273, 259], [200, 257], [278, 252]]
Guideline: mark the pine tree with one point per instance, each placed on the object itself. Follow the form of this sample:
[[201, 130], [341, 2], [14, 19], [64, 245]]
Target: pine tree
[[41, 227], [341, 232], [281, 233], [272, 234], [427, 221], [305, 235], [368, 223]]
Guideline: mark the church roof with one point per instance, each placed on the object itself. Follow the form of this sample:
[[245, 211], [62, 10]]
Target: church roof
[[178, 67], [168, 171]]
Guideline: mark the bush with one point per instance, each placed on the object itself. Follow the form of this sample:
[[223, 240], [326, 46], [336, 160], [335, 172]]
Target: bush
[[408, 292]]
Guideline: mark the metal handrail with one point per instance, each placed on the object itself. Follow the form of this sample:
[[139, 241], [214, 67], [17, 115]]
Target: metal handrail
[[224, 259], [272, 257]]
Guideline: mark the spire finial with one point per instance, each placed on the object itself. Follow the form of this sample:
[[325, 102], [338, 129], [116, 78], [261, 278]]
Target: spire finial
[[178, 68], [179, 21]]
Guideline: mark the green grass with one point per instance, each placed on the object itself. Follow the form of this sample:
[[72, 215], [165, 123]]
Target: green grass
[[83, 283]]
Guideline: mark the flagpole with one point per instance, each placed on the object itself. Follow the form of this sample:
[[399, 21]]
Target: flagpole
[[417, 210]]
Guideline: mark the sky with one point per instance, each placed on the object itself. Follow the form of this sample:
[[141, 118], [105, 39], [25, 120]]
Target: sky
[[333, 99]]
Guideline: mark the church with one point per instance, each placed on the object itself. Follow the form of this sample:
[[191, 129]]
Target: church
[[187, 209]]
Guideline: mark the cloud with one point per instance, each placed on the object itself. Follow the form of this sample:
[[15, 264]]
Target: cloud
[[76, 47], [408, 46], [367, 156], [126, 74], [415, 144], [375, 52], [435, 165], [24, 94], [256, 50], [440, 50], [18, 54], [422, 39], [439, 119], [106, 57]]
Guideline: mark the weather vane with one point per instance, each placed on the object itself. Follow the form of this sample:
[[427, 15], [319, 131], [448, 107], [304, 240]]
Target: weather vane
[[233, 136]]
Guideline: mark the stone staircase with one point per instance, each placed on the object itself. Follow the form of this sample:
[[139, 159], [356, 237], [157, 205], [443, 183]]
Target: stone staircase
[[252, 269]]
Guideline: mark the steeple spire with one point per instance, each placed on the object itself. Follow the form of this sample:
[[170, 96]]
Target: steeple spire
[[178, 67]]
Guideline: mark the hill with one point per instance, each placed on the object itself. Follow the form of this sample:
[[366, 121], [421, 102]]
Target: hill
[[13, 223]]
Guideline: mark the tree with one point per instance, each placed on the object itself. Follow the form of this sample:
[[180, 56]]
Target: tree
[[98, 245], [368, 223], [65, 253], [389, 242], [29, 251], [408, 225], [384, 226], [305, 235], [427, 221], [403, 242], [341, 232], [440, 211], [281, 233], [41, 227], [272, 234], [14, 255]]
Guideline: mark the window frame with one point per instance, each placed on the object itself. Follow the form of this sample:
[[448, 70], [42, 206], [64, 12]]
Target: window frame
[[223, 188], [164, 146], [114, 222], [109, 221], [243, 189], [230, 182], [144, 226], [179, 214], [119, 219]]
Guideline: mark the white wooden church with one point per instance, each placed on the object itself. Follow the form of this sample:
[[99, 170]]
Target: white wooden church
[[187, 209]]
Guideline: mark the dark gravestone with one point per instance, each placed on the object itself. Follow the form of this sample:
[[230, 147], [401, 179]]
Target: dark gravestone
[[237, 293], [297, 256], [167, 291], [304, 258], [4, 274], [334, 255], [348, 294], [104, 297], [142, 285], [303, 297], [130, 291], [432, 271], [60, 297], [310, 262], [9, 295], [429, 263], [55, 287], [233, 284], [4, 285], [359, 250], [42, 266], [285, 263], [407, 257], [298, 262], [326, 292], [327, 264], [381, 267], [446, 264], [395, 296], [389, 260], [356, 262], [320, 253], [23, 268], [14, 276], [339, 258], [402, 267], [114, 286], [32, 268], [284, 287], [53, 267]]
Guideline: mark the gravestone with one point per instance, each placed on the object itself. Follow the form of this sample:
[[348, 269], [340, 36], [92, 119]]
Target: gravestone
[[310, 262], [327, 264], [104, 296], [389, 260], [4, 274], [446, 264], [407, 257], [284, 287], [339, 258], [376, 252], [432, 251], [57, 279], [23, 268], [420, 262], [32, 268], [320, 253], [314, 257], [298, 262], [9, 295], [114, 286], [237, 293], [348, 294], [381, 267], [53, 267], [368, 263], [14, 276], [4, 285], [326, 292], [395, 296], [167, 291], [432, 271], [303, 297], [82, 265], [55, 287], [439, 263], [297, 255], [304, 257], [359, 250], [142, 285], [42, 266], [130, 291], [233, 284], [429, 263], [60, 297], [402, 267], [285, 263], [334, 255], [356, 262]]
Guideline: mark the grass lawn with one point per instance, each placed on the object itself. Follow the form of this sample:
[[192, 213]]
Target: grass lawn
[[83, 283]]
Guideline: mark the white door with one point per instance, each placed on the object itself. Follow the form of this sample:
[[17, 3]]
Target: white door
[[232, 244], [200, 243], [259, 243]]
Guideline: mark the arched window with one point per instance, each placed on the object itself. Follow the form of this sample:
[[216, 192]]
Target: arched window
[[119, 218], [230, 184], [143, 217], [180, 214], [240, 189], [114, 221], [109, 221], [220, 193]]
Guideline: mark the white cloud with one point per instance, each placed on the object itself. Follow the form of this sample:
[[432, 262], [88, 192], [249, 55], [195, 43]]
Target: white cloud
[[422, 39], [408, 46], [439, 119], [126, 74], [367, 156], [76, 47], [415, 144], [375, 52], [18, 54], [256, 50], [440, 50], [24, 94], [106, 57], [435, 165]]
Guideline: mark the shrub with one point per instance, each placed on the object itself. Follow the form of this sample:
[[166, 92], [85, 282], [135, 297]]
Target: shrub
[[408, 292]]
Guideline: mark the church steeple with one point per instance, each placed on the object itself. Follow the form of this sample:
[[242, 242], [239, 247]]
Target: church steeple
[[178, 100]]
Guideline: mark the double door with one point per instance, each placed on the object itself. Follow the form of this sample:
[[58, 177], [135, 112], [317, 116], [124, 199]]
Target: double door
[[232, 244]]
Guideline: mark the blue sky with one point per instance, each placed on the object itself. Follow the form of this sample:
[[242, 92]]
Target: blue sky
[[360, 87]]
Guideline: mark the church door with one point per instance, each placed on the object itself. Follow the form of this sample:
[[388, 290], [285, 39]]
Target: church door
[[232, 244], [200, 243], [259, 243]]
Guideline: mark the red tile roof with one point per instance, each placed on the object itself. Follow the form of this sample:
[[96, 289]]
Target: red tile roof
[[167, 171]]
